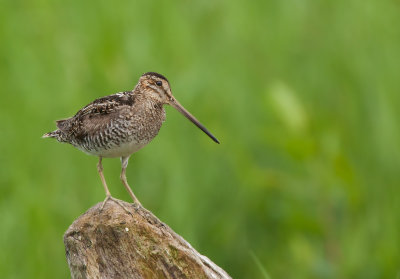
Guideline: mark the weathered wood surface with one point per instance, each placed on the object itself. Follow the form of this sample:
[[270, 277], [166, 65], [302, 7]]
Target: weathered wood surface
[[115, 244]]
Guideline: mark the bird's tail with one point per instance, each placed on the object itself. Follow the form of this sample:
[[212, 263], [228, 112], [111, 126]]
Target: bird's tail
[[50, 134], [55, 134]]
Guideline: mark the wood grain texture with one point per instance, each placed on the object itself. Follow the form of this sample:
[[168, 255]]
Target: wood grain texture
[[114, 244]]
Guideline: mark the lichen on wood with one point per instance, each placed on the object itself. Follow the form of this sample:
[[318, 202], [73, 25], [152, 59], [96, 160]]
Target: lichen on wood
[[114, 244]]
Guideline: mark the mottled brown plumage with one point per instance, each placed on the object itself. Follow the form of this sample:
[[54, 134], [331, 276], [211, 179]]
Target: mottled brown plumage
[[120, 124]]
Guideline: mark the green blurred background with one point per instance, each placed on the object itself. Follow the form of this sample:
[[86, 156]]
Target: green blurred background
[[303, 95]]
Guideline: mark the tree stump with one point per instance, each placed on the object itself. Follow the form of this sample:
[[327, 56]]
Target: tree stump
[[115, 244]]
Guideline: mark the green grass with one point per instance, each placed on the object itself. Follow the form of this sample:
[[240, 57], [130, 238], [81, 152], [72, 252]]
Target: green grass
[[303, 95]]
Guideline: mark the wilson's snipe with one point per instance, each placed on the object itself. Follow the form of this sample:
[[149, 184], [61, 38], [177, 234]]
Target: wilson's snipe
[[118, 125]]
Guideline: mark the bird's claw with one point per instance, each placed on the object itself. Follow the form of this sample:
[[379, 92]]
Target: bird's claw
[[109, 197]]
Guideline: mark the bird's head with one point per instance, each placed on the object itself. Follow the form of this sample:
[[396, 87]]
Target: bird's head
[[157, 87]]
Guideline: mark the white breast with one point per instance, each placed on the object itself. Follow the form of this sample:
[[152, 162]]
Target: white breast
[[122, 150]]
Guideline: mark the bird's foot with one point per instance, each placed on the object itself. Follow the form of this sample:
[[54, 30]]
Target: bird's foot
[[109, 197], [136, 202]]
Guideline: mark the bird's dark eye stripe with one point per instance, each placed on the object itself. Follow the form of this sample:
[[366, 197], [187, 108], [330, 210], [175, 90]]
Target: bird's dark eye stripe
[[158, 82]]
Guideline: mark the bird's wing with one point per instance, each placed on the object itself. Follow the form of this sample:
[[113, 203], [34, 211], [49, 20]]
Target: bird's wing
[[100, 112], [107, 104]]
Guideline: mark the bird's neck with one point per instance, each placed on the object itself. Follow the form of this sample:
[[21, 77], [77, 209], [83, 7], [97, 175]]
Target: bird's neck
[[142, 98], [146, 98]]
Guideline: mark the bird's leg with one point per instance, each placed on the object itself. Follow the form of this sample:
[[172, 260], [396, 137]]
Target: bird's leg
[[124, 164], [103, 180], [108, 194]]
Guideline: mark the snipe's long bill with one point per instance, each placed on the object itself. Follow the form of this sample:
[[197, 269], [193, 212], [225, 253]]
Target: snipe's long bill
[[189, 116], [119, 125]]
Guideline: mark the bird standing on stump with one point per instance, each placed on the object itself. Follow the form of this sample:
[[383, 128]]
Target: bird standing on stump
[[118, 125]]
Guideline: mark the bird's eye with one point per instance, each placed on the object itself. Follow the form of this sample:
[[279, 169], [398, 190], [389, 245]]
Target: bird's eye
[[159, 83]]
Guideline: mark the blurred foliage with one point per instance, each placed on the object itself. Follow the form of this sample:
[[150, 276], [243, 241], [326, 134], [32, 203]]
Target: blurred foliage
[[304, 96]]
